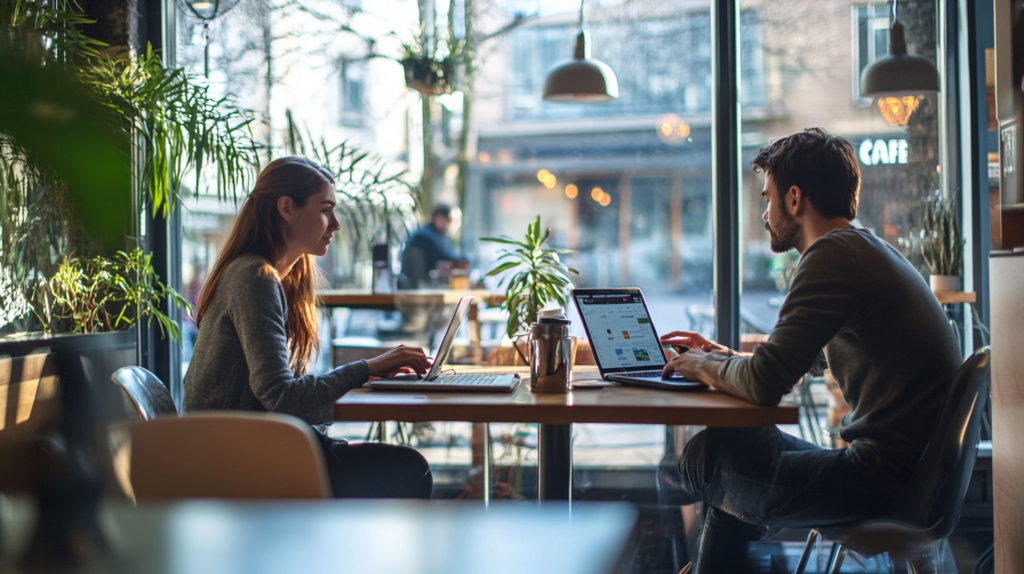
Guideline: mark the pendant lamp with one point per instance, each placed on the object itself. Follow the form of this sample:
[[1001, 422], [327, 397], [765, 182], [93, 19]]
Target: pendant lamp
[[582, 79], [898, 73], [206, 10]]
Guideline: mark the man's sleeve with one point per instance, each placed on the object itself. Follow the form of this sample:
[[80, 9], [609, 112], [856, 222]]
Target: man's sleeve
[[824, 295]]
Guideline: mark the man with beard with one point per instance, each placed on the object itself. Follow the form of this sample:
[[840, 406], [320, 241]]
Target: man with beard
[[884, 336]]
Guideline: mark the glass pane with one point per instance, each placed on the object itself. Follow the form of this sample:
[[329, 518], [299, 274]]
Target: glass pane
[[625, 184], [810, 78]]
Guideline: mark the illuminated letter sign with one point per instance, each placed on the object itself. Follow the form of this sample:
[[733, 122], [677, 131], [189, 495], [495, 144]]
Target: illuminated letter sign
[[883, 152]]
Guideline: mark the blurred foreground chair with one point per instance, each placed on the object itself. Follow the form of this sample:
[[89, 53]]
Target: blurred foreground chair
[[148, 395], [928, 508], [222, 455]]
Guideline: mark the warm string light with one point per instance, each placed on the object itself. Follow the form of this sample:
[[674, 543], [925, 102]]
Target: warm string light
[[571, 191], [602, 198], [547, 178], [672, 129], [897, 111]]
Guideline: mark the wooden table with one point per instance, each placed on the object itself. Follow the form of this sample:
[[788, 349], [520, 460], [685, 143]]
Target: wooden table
[[555, 413], [420, 297], [382, 537]]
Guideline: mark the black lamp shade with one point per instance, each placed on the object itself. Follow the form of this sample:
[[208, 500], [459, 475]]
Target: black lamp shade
[[207, 9], [899, 73], [581, 79]]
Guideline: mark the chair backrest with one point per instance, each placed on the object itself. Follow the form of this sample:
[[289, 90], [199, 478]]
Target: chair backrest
[[934, 495], [225, 455], [149, 396]]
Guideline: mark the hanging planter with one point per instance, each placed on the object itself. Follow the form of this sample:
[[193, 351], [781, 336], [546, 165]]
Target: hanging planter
[[428, 76]]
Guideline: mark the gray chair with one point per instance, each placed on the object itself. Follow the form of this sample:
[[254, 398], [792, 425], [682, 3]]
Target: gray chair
[[929, 506], [148, 395]]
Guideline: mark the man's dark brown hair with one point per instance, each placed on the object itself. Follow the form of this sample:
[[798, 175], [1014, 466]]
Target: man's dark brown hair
[[822, 165]]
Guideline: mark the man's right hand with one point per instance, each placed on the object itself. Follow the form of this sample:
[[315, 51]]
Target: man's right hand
[[692, 340]]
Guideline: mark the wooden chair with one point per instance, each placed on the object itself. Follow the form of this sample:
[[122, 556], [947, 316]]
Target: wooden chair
[[222, 455], [148, 395]]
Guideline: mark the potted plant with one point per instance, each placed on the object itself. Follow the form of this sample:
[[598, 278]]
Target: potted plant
[[540, 276], [942, 244], [428, 75], [109, 294]]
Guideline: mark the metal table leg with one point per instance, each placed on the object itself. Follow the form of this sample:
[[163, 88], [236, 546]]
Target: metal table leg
[[554, 462]]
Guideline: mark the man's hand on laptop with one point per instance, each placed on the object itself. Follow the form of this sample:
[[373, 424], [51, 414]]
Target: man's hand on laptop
[[397, 359], [690, 340]]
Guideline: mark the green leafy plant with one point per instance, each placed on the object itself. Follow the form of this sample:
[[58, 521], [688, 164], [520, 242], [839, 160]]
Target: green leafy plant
[[540, 276], [942, 244], [81, 134], [37, 22], [110, 294], [176, 127]]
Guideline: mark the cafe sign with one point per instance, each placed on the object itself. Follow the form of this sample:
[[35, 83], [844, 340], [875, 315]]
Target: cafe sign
[[882, 151]]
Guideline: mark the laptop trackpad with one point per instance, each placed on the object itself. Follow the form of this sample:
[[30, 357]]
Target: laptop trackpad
[[674, 383]]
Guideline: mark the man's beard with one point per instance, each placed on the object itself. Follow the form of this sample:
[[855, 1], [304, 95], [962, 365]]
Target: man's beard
[[786, 234]]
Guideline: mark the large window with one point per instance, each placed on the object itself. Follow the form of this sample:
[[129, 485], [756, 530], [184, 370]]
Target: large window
[[870, 41], [626, 185], [812, 76]]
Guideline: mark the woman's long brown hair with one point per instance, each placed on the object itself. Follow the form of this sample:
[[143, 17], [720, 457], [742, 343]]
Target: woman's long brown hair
[[258, 230]]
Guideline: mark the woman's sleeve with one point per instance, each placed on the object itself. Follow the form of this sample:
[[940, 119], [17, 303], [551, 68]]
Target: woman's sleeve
[[258, 310]]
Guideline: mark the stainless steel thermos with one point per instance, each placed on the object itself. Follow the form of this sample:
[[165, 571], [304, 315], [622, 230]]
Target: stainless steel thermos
[[551, 353]]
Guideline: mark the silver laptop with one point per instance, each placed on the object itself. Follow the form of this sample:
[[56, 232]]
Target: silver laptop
[[436, 381], [626, 346]]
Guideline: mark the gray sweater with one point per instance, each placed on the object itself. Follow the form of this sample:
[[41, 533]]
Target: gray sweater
[[888, 344], [241, 362]]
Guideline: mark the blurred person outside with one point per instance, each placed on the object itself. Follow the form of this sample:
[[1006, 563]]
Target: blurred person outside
[[854, 303], [429, 246]]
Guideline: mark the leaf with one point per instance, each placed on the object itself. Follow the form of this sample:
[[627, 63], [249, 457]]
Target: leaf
[[505, 240], [502, 268]]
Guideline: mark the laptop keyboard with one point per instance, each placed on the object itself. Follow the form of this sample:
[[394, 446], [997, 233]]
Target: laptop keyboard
[[468, 379], [643, 374]]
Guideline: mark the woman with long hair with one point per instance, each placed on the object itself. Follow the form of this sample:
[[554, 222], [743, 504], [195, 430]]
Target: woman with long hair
[[258, 331]]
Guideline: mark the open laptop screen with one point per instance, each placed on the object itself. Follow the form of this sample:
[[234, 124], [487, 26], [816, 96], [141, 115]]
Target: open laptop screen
[[441, 355], [620, 330]]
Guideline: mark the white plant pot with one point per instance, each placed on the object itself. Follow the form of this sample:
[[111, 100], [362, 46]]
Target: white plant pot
[[944, 282]]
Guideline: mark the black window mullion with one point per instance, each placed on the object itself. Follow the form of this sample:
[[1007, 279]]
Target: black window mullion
[[725, 170]]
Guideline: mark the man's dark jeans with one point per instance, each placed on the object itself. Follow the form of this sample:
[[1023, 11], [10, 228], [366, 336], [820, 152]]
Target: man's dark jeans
[[757, 480]]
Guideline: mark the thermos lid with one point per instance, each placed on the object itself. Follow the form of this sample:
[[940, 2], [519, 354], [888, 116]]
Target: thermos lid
[[552, 317]]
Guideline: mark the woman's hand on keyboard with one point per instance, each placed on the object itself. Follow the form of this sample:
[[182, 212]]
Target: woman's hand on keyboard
[[398, 360]]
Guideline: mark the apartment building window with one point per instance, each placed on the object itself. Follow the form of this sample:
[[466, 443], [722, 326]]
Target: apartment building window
[[870, 41], [353, 92]]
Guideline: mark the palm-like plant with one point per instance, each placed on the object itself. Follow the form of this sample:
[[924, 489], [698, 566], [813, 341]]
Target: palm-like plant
[[942, 244], [176, 127], [540, 276]]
